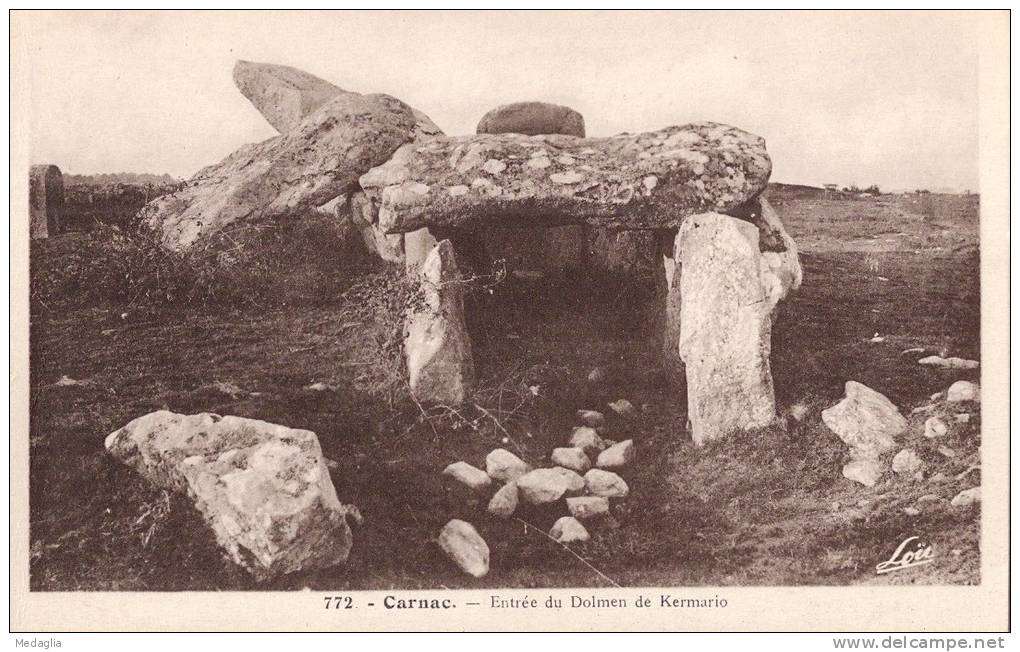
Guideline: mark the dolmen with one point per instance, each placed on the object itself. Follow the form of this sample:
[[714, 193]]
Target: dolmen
[[693, 194], [45, 200]]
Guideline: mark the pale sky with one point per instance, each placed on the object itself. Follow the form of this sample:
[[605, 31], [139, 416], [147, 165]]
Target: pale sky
[[886, 98]]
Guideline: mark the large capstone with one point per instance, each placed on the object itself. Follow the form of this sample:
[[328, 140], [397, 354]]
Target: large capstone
[[728, 288], [263, 488], [654, 180], [437, 347], [45, 200]]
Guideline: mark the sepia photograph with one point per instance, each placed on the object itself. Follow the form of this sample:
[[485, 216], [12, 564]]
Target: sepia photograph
[[392, 306]]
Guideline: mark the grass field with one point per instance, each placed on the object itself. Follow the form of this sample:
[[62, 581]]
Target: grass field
[[764, 508]]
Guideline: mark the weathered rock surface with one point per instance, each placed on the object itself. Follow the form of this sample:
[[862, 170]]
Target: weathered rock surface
[[907, 462], [532, 119], [289, 175], [935, 427], [586, 508], [283, 95], [263, 488], [865, 420], [948, 363], [963, 390], [866, 471], [617, 455], [504, 502], [504, 466], [587, 439], [606, 484], [437, 347], [45, 200], [728, 289], [646, 181], [571, 458], [465, 547], [544, 486], [967, 498], [471, 478], [568, 529], [591, 418]]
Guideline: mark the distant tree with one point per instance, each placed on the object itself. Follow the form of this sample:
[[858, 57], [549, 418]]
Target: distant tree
[[873, 190]]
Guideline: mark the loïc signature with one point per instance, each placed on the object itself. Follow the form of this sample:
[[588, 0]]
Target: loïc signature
[[912, 552]]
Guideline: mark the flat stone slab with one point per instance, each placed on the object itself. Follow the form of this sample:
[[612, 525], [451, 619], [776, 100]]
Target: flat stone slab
[[651, 180]]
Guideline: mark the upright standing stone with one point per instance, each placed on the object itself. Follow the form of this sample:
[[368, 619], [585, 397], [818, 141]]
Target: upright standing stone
[[727, 293], [437, 346], [283, 95], [45, 200]]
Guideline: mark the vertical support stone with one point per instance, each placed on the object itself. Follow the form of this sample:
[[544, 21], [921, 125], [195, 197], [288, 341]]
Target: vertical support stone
[[669, 303], [417, 246], [45, 200], [726, 295], [436, 345]]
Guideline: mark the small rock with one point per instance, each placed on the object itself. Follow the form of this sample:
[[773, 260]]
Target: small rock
[[598, 375], [586, 508], [946, 451], [606, 484], [937, 396], [504, 503], [911, 511], [591, 418], [799, 412], [616, 455], [504, 466], [543, 486], [568, 529], [970, 469], [623, 407], [913, 351], [963, 418], [320, 387], [935, 427], [571, 458], [963, 390], [877, 339], [865, 420], [465, 547], [939, 477], [967, 497], [67, 381], [587, 439], [470, 477], [948, 363], [929, 498], [923, 409], [907, 462], [866, 471]]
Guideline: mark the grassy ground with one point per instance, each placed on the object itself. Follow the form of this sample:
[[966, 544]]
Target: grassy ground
[[768, 508]]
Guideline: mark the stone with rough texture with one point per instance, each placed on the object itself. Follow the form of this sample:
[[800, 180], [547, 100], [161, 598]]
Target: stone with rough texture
[[587, 439], [532, 119], [728, 290], [907, 461], [263, 488], [571, 458], [465, 547], [949, 363], [471, 478], [606, 484], [866, 471], [935, 427], [45, 200], [963, 390], [543, 486], [591, 418], [585, 508], [617, 455], [289, 175], [865, 420], [504, 466], [652, 180], [283, 95], [437, 347], [622, 407], [504, 502], [967, 498], [568, 529]]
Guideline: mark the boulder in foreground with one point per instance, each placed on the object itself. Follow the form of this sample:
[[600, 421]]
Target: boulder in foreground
[[263, 488], [465, 547]]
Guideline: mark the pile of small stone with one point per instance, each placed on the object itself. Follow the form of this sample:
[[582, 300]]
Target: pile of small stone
[[584, 487], [871, 426]]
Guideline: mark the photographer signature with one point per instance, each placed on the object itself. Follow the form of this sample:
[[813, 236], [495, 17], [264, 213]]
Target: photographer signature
[[912, 552]]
